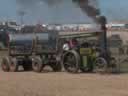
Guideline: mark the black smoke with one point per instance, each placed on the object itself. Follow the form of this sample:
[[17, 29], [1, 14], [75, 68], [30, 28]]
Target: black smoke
[[88, 7]]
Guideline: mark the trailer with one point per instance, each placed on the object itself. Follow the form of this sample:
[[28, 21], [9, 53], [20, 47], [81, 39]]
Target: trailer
[[19, 52], [46, 51], [33, 51]]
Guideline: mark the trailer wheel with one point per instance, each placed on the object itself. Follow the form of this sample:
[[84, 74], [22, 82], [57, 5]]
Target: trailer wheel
[[100, 65], [71, 61], [5, 64], [37, 64], [13, 65]]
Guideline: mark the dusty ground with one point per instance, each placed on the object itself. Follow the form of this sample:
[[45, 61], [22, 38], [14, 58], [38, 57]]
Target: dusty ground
[[62, 84]]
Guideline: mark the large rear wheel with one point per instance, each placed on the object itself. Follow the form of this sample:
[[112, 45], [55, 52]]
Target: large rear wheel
[[5, 64], [37, 64], [71, 61]]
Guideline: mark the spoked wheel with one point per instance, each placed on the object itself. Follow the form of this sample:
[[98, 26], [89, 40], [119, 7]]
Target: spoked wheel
[[5, 64], [37, 64], [13, 65], [71, 61], [100, 65]]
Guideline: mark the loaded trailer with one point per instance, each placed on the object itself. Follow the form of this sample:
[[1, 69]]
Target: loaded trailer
[[19, 52], [33, 51]]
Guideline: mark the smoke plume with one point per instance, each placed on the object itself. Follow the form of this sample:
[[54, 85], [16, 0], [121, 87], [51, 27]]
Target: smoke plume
[[32, 3], [51, 2], [89, 7]]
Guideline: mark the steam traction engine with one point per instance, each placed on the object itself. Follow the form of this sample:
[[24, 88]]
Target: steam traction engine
[[85, 58]]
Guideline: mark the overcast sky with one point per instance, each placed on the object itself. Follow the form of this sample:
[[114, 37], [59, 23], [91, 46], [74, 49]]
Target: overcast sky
[[41, 13]]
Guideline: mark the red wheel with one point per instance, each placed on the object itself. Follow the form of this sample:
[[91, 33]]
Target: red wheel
[[5, 64], [13, 65], [37, 64]]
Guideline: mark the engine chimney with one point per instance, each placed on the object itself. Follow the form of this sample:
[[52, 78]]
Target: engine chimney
[[103, 21], [103, 35]]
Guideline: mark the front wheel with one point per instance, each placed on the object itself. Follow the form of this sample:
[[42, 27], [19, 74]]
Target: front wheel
[[71, 61], [37, 64], [100, 65]]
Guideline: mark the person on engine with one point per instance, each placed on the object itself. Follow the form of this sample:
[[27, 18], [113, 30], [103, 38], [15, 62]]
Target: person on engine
[[73, 43], [66, 46]]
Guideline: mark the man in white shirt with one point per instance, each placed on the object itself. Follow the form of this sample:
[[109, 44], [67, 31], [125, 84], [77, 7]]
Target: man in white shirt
[[66, 46]]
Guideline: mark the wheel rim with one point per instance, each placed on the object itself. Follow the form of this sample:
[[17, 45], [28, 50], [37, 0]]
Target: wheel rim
[[70, 63], [101, 65], [5, 65], [13, 65], [37, 65]]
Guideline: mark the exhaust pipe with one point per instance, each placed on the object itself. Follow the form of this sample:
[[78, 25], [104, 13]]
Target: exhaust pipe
[[103, 36]]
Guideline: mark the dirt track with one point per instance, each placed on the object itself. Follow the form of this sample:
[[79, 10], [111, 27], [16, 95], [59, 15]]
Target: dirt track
[[62, 84]]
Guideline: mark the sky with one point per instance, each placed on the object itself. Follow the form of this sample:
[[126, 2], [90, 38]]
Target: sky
[[41, 13]]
